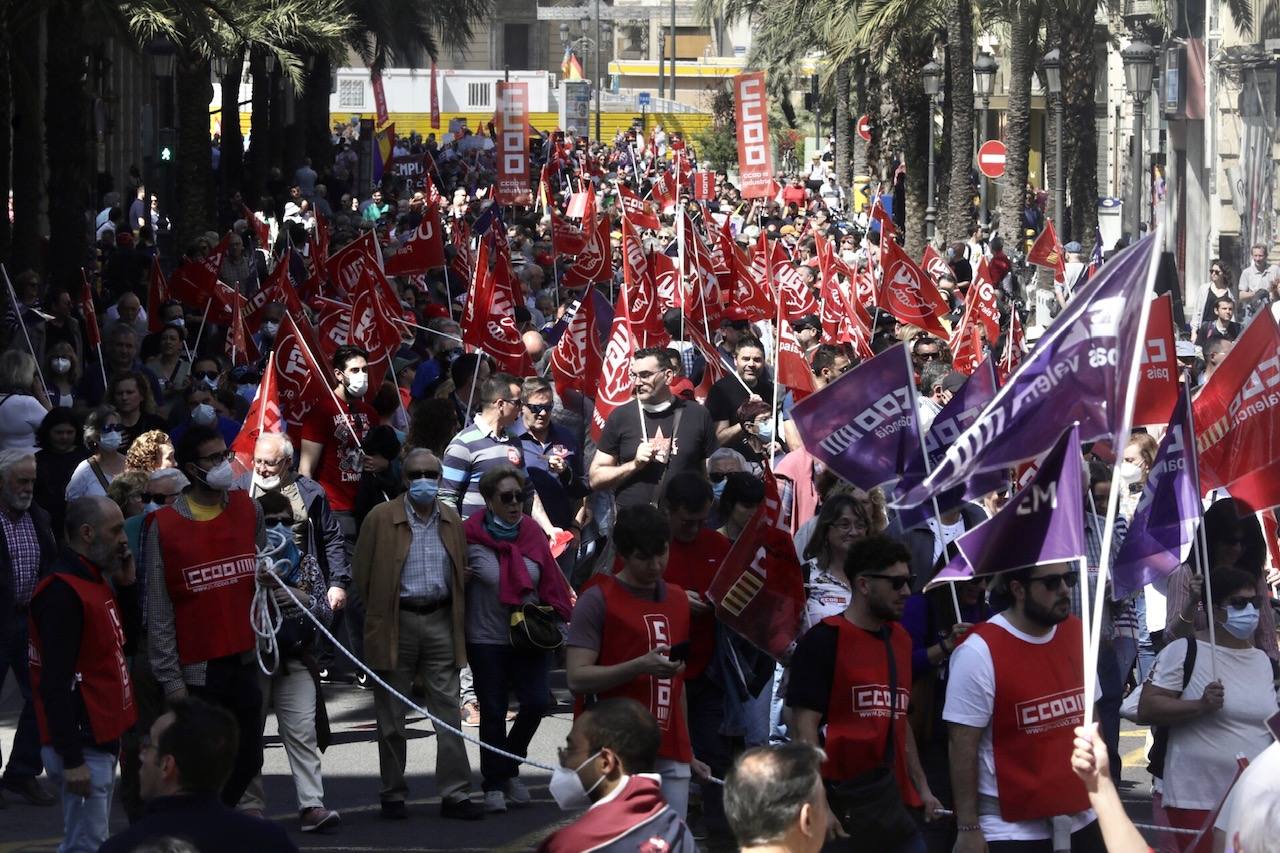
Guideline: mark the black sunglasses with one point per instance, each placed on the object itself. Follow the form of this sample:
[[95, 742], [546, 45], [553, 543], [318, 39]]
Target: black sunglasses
[[717, 476], [511, 497], [1053, 582], [278, 522], [152, 497], [1238, 601], [422, 475], [538, 408], [896, 581], [205, 374]]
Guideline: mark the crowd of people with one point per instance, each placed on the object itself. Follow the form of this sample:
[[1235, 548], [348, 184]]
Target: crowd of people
[[462, 532]]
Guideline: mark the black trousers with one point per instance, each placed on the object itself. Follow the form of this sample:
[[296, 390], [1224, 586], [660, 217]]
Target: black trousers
[[234, 686]]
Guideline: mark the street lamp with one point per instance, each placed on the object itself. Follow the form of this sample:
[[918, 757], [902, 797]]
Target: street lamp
[[984, 75], [932, 74], [1139, 65], [1053, 76]]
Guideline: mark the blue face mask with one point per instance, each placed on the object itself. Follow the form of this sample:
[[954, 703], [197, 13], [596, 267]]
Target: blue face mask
[[765, 431], [1241, 622], [717, 489], [500, 524], [422, 491]]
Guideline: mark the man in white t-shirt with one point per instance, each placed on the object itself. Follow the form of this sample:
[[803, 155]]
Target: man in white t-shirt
[[1014, 695], [1252, 810]]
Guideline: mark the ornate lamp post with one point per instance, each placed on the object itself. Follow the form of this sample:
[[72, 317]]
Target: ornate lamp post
[[932, 75], [984, 75], [1139, 66]]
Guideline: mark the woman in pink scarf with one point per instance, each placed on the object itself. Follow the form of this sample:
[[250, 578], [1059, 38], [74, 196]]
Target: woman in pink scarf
[[509, 563]]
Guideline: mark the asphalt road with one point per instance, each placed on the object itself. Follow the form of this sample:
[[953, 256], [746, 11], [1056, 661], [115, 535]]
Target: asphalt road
[[351, 786]]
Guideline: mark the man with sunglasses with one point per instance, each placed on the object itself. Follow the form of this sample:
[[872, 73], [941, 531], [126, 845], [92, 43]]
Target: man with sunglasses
[[553, 458], [852, 672], [1015, 693], [199, 557], [410, 570]]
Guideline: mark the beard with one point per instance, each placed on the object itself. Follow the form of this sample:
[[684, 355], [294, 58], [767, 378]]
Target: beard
[[1046, 616], [18, 503], [105, 555], [886, 611]]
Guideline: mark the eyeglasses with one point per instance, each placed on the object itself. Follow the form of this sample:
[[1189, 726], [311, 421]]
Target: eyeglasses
[[220, 456], [507, 402], [205, 374], [717, 476], [1053, 582], [896, 581], [421, 475], [1216, 271], [646, 375], [156, 497], [538, 408], [510, 498], [928, 356], [279, 521]]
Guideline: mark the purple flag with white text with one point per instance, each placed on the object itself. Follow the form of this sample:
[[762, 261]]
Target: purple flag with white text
[[1043, 523], [1164, 524], [956, 416], [1079, 371], [862, 425]]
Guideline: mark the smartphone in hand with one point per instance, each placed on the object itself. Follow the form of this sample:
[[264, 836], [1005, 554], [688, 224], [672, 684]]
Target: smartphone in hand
[[679, 652]]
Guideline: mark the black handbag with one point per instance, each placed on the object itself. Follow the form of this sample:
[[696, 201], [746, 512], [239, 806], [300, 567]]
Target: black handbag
[[869, 806], [535, 629]]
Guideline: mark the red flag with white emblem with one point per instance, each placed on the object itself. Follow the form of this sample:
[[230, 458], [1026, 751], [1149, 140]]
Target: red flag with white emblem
[[264, 417], [423, 251], [614, 385], [639, 211], [907, 293], [594, 264], [577, 356]]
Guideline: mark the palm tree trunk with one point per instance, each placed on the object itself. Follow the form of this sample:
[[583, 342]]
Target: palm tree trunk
[[6, 136], [1023, 53], [957, 220], [844, 127], [66, 137], [914, 53], [258, 157], [295, 130], [1080, 119], [319, 144], [26, 79], [194, 158], [231, 159]]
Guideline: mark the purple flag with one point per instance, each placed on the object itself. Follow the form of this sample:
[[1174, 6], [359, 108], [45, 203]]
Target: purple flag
[[1043, 523], [953, 572], [1164, 524], [956, 416], [862, 425], [1079, 371]]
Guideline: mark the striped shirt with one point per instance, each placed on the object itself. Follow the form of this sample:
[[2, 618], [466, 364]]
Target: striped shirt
[[24, 554], [427, 568], [1119, 618], [475, 450]]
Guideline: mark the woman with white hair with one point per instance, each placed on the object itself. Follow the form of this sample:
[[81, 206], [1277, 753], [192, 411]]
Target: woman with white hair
[[103, 436], [23, 401]]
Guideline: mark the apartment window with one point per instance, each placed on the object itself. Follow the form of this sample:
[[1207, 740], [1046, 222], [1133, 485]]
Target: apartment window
[[478, 95], [351, 94]]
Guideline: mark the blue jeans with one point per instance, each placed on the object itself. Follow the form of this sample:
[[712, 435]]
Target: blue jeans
[[85, 820], [24, 760], [499, 671], [1111, 683]]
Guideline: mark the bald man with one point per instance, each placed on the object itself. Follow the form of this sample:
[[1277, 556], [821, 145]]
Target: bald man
[[534, 344], [81, 631]]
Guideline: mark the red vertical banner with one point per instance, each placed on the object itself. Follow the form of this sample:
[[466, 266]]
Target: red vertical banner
[[513, 148], [379, 98], [755, 158], [704, 185], [435, 100]]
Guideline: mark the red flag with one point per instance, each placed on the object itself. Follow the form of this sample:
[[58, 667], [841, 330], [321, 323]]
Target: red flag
[[565, 239], [261, 230], [423, 251], [758, 590], [934, 265], [982, 295], [755, 157], [93, 335], [1158, 381], [666, 283], [641, 293], [302, 386], [582, 205], [195, 283], [887, 228], [264, 417], [346, 266], [614, 385], [637, 209], [781, 277], [1046, 252], [1015, 346], [379, 98], [157, 296], [664, 192], [595, 262], [906, 291], [704, 185], [435, 99], [1237, 415], [320, 240], [578, 355], [372, 327], [475, 311], [966, 345], [488, 321], [793, 371], [237, 342], [333, 327]]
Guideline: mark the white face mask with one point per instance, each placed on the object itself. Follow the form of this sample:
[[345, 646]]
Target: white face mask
[[61, 365], [269, 328], [357, 384], [220, 476], [204, 414], [1130, 472], [110, 440], [566, 787], [267, 484]]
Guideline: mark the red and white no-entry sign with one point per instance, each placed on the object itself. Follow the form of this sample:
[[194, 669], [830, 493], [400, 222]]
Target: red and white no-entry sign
[[991, 158], [864, 127]]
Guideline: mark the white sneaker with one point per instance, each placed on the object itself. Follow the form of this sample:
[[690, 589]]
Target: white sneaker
[[494, 802], [517, 793]]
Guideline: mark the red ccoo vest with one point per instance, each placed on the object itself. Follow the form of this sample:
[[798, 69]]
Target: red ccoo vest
[[632, 628], [102, 674], [860, 705], [1038, 703], [209, 569]]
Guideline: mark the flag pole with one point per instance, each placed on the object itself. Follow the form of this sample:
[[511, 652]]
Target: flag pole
[[204, 319], [17, 312], [1202, 543], [928, 467], [1121, 436]]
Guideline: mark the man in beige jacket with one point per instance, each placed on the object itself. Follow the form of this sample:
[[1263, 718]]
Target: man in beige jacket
[[410, 567]]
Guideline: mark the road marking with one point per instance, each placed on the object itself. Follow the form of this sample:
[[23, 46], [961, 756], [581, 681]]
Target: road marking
[[1135, 757]]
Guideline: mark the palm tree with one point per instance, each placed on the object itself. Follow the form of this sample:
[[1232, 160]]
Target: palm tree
[[1076, 45], [957, 219], [22, 28], [1021, 19]]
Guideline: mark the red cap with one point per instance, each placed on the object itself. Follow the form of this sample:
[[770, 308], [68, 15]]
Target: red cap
[[682, 387]]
